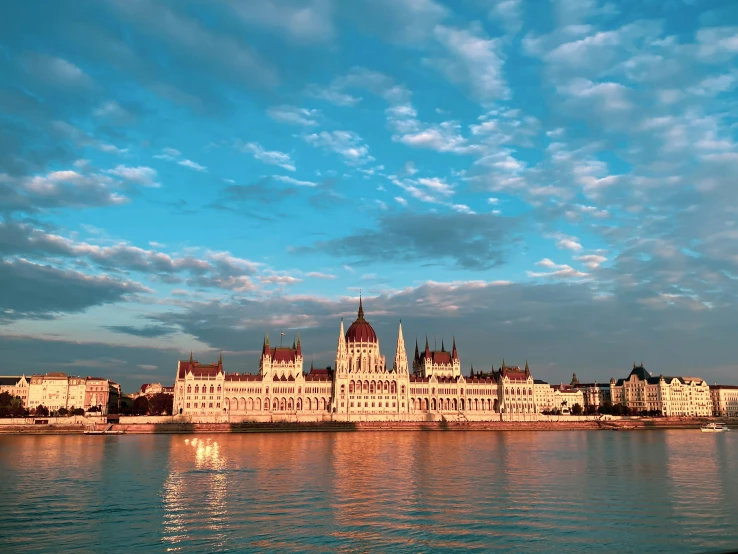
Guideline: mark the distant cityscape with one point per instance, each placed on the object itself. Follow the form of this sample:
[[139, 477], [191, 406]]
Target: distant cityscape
[[361, 387]]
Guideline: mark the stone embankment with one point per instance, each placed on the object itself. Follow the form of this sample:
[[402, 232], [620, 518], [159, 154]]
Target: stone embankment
[[168, 427]]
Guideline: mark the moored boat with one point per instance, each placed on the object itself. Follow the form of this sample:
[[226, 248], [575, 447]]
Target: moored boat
[[714, 428]]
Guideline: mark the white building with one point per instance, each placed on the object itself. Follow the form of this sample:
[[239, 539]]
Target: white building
[[724, 400], [361, 386], [16, 386], [671, 396]]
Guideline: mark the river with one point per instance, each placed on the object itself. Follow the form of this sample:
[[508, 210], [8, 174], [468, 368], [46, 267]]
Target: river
[[477, 491]]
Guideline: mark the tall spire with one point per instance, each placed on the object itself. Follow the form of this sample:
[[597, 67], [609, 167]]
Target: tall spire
[[341, 334], [527, 369], [443, 349], [417, 353], [299, 348], [220, 359], [454, 353], [191, 360], [400, 354], [427, 348], [361, 308]]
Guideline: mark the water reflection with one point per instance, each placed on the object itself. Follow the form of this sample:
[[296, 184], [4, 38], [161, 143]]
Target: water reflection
[[670, 491]]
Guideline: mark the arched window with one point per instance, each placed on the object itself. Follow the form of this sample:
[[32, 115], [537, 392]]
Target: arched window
[[403, 390], [299, 404], [189, 389], [266, 404], [506, 391], [351, 387], [218, 389], [371, 387], [386, 387], [343, 389], [393, 388], [275, 405], [299, 390], [530, 392], [366, 387]]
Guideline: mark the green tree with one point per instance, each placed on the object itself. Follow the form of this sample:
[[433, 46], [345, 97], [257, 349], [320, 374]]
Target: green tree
[[576, 409], [141, 406], [42, 410], [6, 399], [161, 404]]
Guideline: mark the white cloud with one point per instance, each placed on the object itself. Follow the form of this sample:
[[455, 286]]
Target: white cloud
[[558, 270], [308, 21], [347, 144], [142, 175], [400, 200], [270, 157], [294, 115], [192, 165], [592, 261], [58, 71], [84, 140], [473, 60], [291, 181], [319, 275], [169, 154]]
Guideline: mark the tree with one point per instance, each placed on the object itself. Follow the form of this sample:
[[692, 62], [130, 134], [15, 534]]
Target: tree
[[161, 404], [63, 412], [6, 399], [576, 409], [141, 406], [42, 410], [78, 411]]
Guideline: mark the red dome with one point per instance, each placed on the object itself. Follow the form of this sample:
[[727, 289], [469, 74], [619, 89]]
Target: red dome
[[360, 330]]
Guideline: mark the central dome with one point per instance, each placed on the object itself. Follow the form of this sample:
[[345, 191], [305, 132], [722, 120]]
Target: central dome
[[360, 330]]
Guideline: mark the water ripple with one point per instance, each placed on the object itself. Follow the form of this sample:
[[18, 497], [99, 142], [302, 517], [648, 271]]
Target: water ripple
[[660, 491]]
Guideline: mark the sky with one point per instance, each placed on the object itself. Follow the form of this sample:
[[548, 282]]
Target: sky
[[548, 180]]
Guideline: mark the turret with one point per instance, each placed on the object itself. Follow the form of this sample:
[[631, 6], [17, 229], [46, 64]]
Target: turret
[[527, 369], [400, 353], [427, 348], [299, 348], [417, 353], [454, 353]]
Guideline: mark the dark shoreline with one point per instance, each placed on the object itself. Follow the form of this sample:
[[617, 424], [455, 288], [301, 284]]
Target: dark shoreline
[[291, 427]]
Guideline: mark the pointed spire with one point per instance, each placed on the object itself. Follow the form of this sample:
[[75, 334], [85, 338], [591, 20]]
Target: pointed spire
[[361, 308], [454, 353], [220, 359], [443, 348], [299, 348], [191, 360], [527, 369], [427, 348], [341, 334], [417, 353], [400, 365]]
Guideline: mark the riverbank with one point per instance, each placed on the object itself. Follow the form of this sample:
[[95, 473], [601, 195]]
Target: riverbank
[[158, 427]]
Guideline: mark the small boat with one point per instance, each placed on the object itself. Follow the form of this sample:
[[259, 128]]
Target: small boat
[[714, 428]]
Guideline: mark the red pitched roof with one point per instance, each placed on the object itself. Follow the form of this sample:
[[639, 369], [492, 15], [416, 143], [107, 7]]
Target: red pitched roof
[[283, 354], [242, 377], [438, 357], [210, 370]]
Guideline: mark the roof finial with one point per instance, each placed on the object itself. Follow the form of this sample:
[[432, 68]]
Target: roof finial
[[361, 307], [191, 356], [220, 359]]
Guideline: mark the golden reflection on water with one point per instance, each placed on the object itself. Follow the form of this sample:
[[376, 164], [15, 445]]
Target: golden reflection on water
[[372, 491]]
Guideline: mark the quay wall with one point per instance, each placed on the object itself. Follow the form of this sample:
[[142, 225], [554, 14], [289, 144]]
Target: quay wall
[[169, 425]]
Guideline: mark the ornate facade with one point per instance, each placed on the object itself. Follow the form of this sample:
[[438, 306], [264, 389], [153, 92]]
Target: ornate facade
[[360, 387], [671, 396]]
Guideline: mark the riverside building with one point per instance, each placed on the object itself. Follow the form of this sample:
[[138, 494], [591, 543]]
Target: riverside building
[[724, 400], [360, 387], [671, 396], [57, 390], [16, 386]]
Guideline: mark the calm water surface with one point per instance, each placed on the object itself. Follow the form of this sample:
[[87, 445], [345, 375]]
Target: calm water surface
[[654, 491]]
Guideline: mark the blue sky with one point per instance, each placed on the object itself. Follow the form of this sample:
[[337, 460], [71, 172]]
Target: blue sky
[[548, 180]]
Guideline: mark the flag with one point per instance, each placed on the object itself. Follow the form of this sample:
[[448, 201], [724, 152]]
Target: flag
[[282, 334]]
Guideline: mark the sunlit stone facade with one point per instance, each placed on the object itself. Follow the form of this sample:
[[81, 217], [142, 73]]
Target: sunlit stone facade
[[58, 390], [671, 396], [360, 387], [16, 386], [724, 400]]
